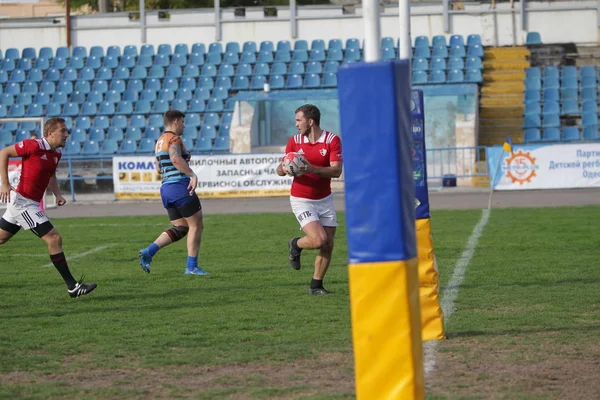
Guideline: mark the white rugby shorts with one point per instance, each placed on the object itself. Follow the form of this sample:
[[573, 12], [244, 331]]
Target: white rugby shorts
[[307, 210], [24, 212]]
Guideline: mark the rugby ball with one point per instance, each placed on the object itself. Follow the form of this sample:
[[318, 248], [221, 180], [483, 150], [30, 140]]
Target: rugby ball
[[294, 164]]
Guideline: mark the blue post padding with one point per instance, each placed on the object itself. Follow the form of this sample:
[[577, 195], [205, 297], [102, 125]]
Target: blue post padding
[[374, 101], [419, 153]]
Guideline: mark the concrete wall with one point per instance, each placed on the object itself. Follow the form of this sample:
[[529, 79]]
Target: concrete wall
[[559, 22]]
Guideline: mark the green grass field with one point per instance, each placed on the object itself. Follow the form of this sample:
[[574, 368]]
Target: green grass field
[[529, 303]]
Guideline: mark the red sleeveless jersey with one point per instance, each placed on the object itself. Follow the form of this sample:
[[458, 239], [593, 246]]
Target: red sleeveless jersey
[[327, 149], [38, 165]]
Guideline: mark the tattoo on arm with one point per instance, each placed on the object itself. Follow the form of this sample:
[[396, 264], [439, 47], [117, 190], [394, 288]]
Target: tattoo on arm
[[174, 151]]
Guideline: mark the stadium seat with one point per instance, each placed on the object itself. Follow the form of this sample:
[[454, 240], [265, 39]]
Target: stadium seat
[[146, 146], [533, 38], [532, 135], [152, 132], [551, 135], [109, 146], [221, 144], [571, 133], [97, 134], [590, 133], [72, 148], [133, 133], [197, 106], [329, 80], [211, 119], [203, 145], [257, 82], [208, 132], [90, 147], [190, 131]]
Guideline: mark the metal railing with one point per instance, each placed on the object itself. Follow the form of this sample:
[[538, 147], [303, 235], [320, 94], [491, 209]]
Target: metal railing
[[94, 174]]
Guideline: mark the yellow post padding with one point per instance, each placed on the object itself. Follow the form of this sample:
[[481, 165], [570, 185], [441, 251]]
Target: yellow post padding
[[386, 330], [432, 317]]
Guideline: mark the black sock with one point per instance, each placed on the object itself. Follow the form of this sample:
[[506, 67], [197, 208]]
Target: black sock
[[316, 284], [60, 262], [295, 245]]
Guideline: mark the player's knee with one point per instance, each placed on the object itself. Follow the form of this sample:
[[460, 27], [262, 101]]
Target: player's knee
[[319, 241], [53, 238], [177, 232]]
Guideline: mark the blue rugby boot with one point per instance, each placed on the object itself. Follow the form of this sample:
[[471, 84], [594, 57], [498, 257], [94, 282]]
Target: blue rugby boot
[[145, 260]]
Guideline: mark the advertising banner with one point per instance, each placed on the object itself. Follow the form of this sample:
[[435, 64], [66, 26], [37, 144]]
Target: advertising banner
[[229, 175], [557, 166]]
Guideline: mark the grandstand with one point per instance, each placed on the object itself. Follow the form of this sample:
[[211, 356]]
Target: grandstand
[[113, 98]]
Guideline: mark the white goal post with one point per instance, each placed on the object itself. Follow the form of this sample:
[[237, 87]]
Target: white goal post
[[49, 201]]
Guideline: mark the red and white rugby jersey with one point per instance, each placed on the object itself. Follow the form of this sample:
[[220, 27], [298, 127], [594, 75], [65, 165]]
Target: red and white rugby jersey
[[320, 154], [38, 165]]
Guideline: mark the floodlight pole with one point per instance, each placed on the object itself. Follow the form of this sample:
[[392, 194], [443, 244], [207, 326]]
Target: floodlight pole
[[372, 26], [405, 42]]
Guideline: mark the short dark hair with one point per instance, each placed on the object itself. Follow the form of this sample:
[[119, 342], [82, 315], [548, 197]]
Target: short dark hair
[[310, 112], [51, 124], [172, 115]]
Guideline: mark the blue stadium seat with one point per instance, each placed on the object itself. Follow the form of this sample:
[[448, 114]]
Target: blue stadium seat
[[71, 109], [571, 133], [179, 104], [438, 63], [133, 133], [533, 38], [196, 59], [76, 63], [166, 94], [590, 133], [437, 77], [257, 82], [104, 74], [197, 105], [161, 60], [419, 77], [94, 62], [439, 51], [220, 93], [241, 83], [156, 71], [59, 98], [475, 50], [455, 76], [96, 51], [152, 84], [191, 71], [78, 135], [249, 47], [221, 144], [422, 41], [276, 81], [127, 146], [230, 58], [587, 119], [19, 136], [160, 106], [551, 121], [65, 86], [284, 56], [532, 135], [211, 119], [181, 48], [35, 75], [126, 61], [97, 134], [317, 55], [109, 146], [190, 132], [115, 133], [83, 122], [101, 121], [179, 59], [588, 107], [173, 71], [312, 81], [551, 108], [87, 74], [53, 110], [24, 98], [329, 80], [41, 98], [203, 145], [164, 49], [293, 81], [473, 39], [532, 107], [124, 108], [188, 83], [106, 108], [72, 148], [119, 121], [152, 132], [532, 121], [551, 135], [146, 146], [90, 147], [208, 132], [137, 121], [423, 52], [224, 130]]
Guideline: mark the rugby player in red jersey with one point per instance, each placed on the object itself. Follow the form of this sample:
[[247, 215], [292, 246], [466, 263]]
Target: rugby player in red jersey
[[40, 158], [311, 198]]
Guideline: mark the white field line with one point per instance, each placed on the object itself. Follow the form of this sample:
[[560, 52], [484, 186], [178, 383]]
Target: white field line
[[450, 293], [87, 253]]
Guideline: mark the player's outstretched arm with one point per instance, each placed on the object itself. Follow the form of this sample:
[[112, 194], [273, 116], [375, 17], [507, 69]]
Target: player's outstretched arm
[[183, 167], [5, 188], [53, 186]]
